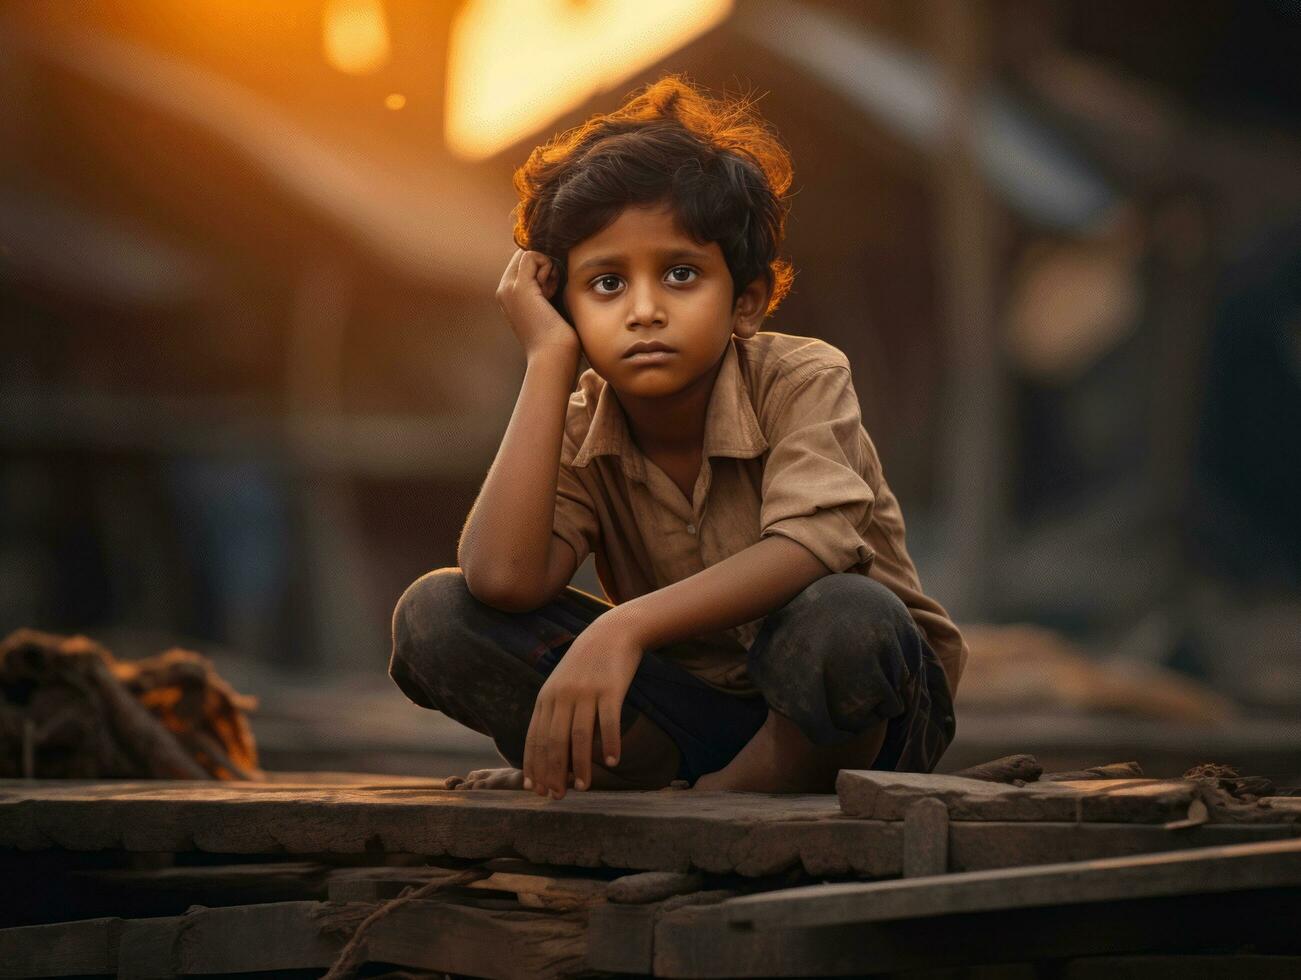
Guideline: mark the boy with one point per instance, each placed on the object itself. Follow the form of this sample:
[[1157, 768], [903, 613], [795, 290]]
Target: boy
[[768, 627]]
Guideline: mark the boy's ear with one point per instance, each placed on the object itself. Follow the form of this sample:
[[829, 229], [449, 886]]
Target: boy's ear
[[751, 307]]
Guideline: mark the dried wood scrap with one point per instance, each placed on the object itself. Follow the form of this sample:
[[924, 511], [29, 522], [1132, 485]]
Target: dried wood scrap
[[1247, 789], [70, 710], [1008, 769], [1023, 768]]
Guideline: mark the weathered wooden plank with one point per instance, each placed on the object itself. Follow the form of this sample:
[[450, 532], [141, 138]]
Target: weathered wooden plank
[[60, 949], [479, 942], [976, 845], [620, 938], [879, 795], [1201, 870], [1203, 966], [281, 936], [926, 838], [747, 833], [560, 893], [146, 949], [183, 886], [698, 942], [249, 938]]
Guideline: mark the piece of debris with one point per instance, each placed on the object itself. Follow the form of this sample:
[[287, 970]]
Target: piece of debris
[[1005, 770], [70, 710], [1248, 789], [1113, 770], [652, 886]]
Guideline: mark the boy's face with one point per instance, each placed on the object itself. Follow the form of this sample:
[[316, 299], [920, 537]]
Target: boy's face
[[643, 278]]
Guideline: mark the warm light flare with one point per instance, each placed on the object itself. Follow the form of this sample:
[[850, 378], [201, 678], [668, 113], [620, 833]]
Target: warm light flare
[[354, 35], [515, 66]]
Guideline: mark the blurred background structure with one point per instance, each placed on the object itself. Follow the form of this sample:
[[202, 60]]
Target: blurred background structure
[[252, 371]]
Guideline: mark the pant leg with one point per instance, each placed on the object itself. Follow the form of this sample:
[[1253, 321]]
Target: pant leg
[[843, 656], [484, 667]]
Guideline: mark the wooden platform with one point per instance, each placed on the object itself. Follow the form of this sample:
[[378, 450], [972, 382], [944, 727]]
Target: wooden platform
[[158, 878], [750, 834]]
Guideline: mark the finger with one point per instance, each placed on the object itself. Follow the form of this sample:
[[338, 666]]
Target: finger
[[512, 270], [542, 748], [610, 709], [543, 274], [530, 265], [580, 740], [542, 753], [562, 718], [531, 740]]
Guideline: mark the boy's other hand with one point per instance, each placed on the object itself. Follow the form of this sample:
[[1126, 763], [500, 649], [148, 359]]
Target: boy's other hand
[[524, 295], [586, 689]]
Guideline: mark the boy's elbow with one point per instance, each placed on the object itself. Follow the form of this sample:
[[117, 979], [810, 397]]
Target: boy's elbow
[[502, 595]]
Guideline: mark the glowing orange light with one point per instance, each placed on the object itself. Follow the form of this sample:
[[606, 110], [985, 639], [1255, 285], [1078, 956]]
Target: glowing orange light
[[514, 66], [354, 35], [395, 101]]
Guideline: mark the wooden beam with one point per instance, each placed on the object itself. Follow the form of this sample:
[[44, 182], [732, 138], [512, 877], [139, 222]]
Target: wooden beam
[[879, 795], [926, 839], [1202, 870], [699, 942], [280, 936], [982, 845], [752, 834], [620, 938], [60, 949]]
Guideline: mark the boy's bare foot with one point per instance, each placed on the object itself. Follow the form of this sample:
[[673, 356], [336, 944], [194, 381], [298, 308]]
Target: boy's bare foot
[[781, 759], [506, 778], [650, 761]]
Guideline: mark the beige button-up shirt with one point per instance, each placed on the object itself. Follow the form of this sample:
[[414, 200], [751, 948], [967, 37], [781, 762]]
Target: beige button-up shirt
[[785, 452]]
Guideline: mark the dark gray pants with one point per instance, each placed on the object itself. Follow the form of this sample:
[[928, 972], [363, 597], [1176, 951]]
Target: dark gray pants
[[839, 658]]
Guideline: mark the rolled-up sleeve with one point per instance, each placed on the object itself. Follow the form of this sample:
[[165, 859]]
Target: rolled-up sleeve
[[575, 518], [814, 490]]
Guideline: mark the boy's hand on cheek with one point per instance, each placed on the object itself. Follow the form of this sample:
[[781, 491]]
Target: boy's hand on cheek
[[583, 696], [524, 294]]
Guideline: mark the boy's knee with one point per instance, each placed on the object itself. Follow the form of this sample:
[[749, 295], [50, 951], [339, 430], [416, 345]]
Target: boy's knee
[[427, 606], [426, 601], [846, 634], [848, 611]]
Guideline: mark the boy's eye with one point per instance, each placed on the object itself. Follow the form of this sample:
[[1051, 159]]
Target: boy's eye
[[596, 283]]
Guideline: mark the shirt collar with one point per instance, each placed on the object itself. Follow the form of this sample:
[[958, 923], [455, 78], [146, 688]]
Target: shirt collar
[[731, 428]]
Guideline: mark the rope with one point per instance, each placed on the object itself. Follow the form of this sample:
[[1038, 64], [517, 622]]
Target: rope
[[354, 953]]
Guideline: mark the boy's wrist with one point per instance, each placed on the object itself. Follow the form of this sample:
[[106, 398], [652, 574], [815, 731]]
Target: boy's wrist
[[627, 618], [561, 354]]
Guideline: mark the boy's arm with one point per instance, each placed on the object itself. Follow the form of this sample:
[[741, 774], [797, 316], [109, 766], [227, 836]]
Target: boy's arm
[[742, 587], [506, 547]]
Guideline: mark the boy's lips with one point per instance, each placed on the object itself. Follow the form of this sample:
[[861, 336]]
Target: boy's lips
[[648, 347], [649, 356]]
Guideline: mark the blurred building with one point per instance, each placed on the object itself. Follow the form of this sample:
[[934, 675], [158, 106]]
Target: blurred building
[[252, 371]]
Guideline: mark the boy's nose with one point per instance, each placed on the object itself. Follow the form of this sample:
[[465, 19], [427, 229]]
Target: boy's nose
[[645, 308]]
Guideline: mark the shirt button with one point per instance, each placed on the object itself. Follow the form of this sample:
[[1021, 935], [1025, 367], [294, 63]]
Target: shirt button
[[691, 529]]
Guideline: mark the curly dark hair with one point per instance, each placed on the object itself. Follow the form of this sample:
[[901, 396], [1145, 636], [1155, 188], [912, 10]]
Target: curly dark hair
[[719, 165]]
